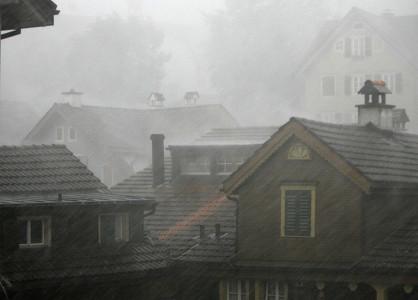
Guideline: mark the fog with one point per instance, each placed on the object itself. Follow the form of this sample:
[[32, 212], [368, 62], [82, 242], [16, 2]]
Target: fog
[[241, 54]]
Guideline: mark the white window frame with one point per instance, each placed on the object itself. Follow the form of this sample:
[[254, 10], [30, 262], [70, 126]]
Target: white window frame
[[358, 46], [357, 82], [62, 134], [69, 134], [277, 293], [123, 229], [239, 295], [322, 85], [390, 79], [46, 231]]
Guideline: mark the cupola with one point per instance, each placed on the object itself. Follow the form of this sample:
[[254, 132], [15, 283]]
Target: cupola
[[375, 110], [73, 97], [190, 98]]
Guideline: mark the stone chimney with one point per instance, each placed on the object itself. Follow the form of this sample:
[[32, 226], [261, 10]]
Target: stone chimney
[[157, 159], [190, 98], [156, 100], [73, 97], [375, 110]]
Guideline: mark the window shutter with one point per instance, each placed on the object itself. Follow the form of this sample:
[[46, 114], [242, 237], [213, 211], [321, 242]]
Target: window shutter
[[298, 213], [368, 46], [347, 85], [398, 83], [347, 47]]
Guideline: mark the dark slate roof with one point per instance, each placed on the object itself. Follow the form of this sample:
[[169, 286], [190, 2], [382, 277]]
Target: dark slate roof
[[94, 261], [131, 128], [382, 156], [235, 136], [28, 13], [29, 169], [16, 120], [397, 252]]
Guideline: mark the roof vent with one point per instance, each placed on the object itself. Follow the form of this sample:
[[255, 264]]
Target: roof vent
[[156, 100], [73, 97], [190, 98]]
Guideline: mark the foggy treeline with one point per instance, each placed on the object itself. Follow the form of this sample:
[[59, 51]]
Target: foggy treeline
[[244, 53]]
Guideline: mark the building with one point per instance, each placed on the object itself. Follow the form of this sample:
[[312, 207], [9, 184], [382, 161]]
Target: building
[[64, 235], [358, 47], [316, 211], [113, 142]]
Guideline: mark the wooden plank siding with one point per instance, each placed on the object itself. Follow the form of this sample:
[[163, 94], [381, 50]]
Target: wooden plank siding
[[337, 216]]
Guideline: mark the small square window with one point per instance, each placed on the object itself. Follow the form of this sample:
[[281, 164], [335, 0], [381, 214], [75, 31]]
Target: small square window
[[34, 232], [59, 134], [113, 228]]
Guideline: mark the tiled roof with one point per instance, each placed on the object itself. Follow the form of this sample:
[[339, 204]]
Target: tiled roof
[[380, 155], [131, 128], [69, 262], [397, 252], [29, 169], [235, 136]]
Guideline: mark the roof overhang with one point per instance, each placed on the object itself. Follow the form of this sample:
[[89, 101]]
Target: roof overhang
[[17, 14]]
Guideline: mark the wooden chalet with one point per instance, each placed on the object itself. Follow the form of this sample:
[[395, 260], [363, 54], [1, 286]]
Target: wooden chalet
[[64, 235]]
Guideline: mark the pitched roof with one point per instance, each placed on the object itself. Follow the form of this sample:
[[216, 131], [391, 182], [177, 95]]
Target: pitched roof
[[131, 128], [398, 31], [16, 120], [366, 154], [93, 261], [234, 136], [27, 169]]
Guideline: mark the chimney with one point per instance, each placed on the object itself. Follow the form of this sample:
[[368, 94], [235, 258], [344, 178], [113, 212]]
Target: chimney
[[190, 98], [202, 234], [156, 100], [375, 110], [157, 159], [73, 97], [218, 231]]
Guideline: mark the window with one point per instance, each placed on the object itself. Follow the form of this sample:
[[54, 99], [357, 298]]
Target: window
[[34, 232], [357, 83], [59, 134], [358, 46], [328, 86], [238, 290], [276, 291], [72, 134], [195, 165], [113, 228], [298, 211], [226, 164]]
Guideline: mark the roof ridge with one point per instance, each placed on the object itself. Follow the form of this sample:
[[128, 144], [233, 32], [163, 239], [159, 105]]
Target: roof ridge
[[33, 146], [149, 109]]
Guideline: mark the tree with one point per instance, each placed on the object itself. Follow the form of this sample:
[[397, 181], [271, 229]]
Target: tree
[[117, 60]]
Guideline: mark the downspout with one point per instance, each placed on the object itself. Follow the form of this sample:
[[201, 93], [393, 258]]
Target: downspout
[[235, 198]]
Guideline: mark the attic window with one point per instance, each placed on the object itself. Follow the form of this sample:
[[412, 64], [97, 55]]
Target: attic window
[[113, 228], [59, 134], [195, 165], [228, 163], [72, 134]]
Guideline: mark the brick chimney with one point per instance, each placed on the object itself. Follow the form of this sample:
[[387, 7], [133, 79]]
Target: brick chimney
[[375, 110], [157, 159]]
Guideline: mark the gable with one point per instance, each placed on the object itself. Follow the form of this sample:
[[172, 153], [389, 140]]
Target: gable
[[294, 129]]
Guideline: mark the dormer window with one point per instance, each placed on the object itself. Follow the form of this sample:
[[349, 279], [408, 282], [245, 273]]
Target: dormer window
[[226, 164], [113, 228], [195, 165], [59, 134], [34, 232]]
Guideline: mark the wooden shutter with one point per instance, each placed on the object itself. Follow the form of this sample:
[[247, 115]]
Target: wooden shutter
[[347, 47], [298, 213], [347, 85], [398, 83], [368, 46]]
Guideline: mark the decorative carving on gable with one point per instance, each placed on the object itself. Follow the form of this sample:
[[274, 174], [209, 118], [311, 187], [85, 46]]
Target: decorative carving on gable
[[299, 152]]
